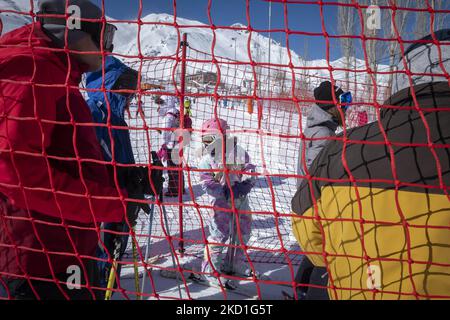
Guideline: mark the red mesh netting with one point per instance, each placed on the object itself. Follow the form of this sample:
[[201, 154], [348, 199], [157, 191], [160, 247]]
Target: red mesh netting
[[353, 207]]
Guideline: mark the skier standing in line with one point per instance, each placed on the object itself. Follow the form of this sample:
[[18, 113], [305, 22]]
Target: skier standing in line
[[168, 109], [50, 158], [215, 183], [322, 124], [108, 108], [325, 208]]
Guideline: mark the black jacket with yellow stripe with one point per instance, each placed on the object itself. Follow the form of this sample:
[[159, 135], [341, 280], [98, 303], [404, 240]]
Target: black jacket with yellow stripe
[[376, 211]]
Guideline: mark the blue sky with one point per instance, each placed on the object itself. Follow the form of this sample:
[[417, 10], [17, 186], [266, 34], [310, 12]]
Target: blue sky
[[301, 17]]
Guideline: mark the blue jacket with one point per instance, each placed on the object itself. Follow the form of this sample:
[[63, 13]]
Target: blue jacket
[[122, 145]]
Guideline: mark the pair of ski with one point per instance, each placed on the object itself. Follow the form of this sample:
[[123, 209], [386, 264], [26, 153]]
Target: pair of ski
[[138, 274], [224, 284]]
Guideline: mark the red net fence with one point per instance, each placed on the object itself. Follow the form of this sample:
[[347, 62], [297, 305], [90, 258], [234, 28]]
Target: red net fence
[[227, 87], [333, 199]]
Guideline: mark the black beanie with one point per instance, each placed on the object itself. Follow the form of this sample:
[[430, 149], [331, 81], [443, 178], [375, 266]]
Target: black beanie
[[324, 93], [56, 26]]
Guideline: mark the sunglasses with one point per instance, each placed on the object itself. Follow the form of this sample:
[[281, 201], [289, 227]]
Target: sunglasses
[[108, 37], [345, 100]]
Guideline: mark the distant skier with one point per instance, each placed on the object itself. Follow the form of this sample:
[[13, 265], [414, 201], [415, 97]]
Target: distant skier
[[361, 118], [168, 109], [187, 105], [225, 103], [215, 183], [357, 119]]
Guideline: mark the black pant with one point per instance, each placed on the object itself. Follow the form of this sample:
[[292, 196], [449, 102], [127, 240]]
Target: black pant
[[174, 176], [21, 289], [308, 274]]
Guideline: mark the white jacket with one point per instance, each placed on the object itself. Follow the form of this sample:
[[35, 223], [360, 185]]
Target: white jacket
[[170, 113]]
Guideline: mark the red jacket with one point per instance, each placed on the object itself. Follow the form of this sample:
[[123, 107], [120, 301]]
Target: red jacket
[[53, 186]]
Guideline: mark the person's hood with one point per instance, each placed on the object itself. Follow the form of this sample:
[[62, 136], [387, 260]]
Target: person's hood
[[164, 110], [32, 40], [436, 92], [319, 117], [427, 63], [169, 106], [94, 80], [113, 70]]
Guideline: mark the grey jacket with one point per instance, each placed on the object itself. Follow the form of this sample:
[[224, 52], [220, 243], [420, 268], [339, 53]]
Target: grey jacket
[[319, 125]]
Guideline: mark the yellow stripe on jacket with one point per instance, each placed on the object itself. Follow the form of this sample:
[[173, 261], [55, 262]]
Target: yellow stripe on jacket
[[384, 233]]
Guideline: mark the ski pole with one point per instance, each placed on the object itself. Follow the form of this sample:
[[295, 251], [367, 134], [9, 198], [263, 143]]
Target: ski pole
[[166, 221], [112, 272], [147, 249], [136, 270], [233, 236], [232, 248], [115, 265]]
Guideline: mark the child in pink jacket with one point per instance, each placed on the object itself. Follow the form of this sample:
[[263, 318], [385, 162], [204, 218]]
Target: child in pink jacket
[[222, 188]]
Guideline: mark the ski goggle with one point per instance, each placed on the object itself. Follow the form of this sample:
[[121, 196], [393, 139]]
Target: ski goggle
[[208, 139], [345, 100], [108, 36]]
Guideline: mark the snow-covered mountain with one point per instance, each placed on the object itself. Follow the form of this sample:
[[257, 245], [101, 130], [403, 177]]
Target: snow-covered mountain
[[159, 35]]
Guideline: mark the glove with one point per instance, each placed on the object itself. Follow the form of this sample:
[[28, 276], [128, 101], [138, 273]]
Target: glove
[[243, 188], [156, 175], [137, 184], [133, 209], [240, 189], [136, 179], [163, 153], [218, 176]]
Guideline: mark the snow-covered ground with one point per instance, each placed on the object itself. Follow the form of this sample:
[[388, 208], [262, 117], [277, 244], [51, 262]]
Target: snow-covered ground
[[273, 153]]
